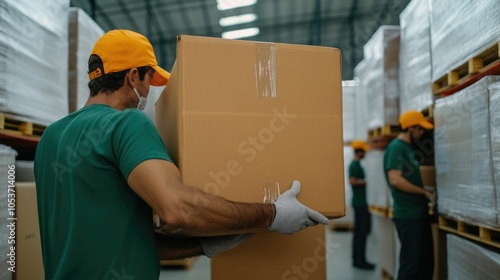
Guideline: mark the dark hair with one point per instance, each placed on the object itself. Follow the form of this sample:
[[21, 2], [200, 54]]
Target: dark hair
[[406, 129], [110, 82], [358, 151]]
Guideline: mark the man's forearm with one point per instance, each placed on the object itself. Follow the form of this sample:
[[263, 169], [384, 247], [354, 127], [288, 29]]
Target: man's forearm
[[203, 214], [404, 185]]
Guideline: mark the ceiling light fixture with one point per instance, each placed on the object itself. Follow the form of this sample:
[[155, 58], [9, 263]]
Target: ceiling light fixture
[[241, 33], [232, 4], [234, 20]]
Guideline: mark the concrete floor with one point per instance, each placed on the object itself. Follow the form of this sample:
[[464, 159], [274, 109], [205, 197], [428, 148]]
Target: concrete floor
[[338, 268]]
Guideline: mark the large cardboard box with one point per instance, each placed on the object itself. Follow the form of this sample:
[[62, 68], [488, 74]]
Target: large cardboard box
[[29, 264], [239, 115], [275, 256], [428, 175]]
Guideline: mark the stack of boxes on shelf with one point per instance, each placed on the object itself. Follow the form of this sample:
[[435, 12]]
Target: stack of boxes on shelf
[[465, 38], [83, 33], [377, 110], [461, 32], [238, 114], [34, 60], [415, 58], [485, 264], [7, 160], [380, 77], [349, 124], [463, 155]]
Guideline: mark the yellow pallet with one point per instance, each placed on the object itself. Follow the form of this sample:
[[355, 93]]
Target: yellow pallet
[[482, 233]]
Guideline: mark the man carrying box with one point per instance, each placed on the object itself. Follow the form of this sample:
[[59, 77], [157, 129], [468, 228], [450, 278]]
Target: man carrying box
[[101, 171], [413, 224]]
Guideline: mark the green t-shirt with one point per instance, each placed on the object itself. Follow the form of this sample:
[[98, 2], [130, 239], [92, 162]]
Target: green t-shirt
[[92, 225], [399, 155], [358, 192]]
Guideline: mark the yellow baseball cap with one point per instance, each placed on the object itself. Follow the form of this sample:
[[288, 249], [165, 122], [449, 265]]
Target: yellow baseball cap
[[359, 145], [413, 117], [121, 49]]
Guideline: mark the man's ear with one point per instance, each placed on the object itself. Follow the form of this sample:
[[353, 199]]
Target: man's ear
[[132, 77]]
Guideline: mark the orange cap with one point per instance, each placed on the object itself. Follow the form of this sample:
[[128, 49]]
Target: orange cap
[[412, 117], [359, 145], [124, 49]]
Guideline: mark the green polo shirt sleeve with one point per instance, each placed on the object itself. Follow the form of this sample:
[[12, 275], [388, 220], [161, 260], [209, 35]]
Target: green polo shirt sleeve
[[135, 139]]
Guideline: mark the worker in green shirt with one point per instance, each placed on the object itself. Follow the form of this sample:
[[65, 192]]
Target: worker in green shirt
[[362, 218], [102, 170], [413, 224]]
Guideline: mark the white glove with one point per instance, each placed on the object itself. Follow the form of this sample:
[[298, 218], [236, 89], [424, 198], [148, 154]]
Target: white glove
[[291, 215], [215, 244]]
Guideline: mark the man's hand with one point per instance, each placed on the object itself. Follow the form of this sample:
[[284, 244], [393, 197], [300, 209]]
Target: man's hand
[[291, 215], [431, 196], [217, 244]]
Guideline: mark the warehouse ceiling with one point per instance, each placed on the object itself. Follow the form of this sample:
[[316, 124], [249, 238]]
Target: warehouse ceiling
[[345, 24]]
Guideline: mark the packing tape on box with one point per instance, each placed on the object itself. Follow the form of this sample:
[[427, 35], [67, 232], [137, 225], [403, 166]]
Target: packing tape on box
[[265, 70]]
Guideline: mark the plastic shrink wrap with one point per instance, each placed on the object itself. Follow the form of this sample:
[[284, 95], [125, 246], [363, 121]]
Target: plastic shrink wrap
[[381, 54], [349, 110], [361, 107], [415, 57], [348, 219], [464, 172], [467, 260], [34, 59], [377, 191], [7, 158], [461, 30], [83, 33], [495, 140]]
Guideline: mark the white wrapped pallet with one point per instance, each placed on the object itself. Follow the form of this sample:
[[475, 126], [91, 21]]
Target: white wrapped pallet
[[349, 110], [415, 57], [361, 107], [377, 191], [381, 54], [34, 59], [348, 219], [7, 158], [83, 33], [461, 30], [466, 260], [464, 172], [495, 140]]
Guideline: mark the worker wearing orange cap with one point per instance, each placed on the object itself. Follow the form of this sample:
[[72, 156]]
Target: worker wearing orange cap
[[410, 208], [362, 219], [102, 170]]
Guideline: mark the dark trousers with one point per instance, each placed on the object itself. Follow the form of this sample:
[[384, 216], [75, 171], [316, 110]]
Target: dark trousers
[[416, 259], [362, 225]]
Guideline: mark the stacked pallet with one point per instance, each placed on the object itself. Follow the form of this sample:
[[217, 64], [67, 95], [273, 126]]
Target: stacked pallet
[[83, 33], [346, 222], [361, 91], [465, 37], [349, 110], [415, 57], [381, 77], [494, 90], [464, 166], [486, 264], [34, 60]]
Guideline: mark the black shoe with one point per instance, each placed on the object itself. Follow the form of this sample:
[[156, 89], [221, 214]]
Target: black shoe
[[364, 265]]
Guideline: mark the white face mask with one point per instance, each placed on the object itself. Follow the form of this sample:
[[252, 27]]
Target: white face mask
[[142, 101]]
